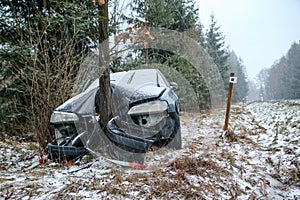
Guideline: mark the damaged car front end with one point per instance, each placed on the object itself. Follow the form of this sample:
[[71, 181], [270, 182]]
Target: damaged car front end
[[145, 114]]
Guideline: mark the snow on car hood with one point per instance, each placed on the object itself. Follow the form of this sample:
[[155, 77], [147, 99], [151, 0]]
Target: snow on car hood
[[83, 103], [127, 88], [147, 92]]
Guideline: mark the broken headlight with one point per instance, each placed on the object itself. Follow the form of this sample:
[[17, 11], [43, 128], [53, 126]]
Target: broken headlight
[[152, 107], [149, 114], [63, 117]]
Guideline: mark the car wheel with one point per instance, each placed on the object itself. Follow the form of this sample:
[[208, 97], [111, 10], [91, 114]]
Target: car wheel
[[116, 153], [176, 142]]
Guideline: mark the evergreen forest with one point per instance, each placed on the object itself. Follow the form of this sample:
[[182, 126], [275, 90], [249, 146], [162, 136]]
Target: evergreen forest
[[281, 81]]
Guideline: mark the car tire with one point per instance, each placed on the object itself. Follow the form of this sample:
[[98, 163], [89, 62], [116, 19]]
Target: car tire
[[176, 142], [116, 153]]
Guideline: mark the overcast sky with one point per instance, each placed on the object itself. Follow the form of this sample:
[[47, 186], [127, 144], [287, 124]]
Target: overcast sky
[[259, 31]]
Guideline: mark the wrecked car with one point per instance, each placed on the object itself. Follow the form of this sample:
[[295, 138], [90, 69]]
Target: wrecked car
[[145, 112]]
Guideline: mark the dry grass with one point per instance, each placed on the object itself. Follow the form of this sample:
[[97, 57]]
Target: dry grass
[[174, 181]]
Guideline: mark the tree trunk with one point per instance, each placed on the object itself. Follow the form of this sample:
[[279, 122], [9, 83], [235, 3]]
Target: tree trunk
[[104, 79]]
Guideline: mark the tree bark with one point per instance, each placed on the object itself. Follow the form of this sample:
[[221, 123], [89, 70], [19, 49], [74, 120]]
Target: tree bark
[[104, 79]]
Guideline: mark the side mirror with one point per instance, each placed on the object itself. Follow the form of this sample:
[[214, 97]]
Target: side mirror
[[174, 86]]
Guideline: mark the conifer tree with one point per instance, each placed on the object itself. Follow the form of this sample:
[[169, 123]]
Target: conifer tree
[[282, 79], [178, 15], [215, 46], [293, 74], [42, 44], [236, 66]]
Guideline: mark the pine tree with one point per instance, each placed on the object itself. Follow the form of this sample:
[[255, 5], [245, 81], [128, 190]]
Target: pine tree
[[293, 74], [178, 15], [214, 44], [281, 80], [240, 90], [42, 44]]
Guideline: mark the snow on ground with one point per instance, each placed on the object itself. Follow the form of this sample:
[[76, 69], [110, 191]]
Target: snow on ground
[[258, 159]]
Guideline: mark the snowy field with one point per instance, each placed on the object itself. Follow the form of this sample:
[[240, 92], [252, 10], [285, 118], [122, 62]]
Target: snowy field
[[259, 158]]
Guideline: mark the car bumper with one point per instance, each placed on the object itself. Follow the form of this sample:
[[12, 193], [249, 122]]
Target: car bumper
[[126, 141], [134, 138], [56, 152]]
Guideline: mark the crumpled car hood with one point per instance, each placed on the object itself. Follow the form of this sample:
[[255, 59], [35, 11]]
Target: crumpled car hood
[[124, 98], [82, 103], [146, 93], [125, 92]]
